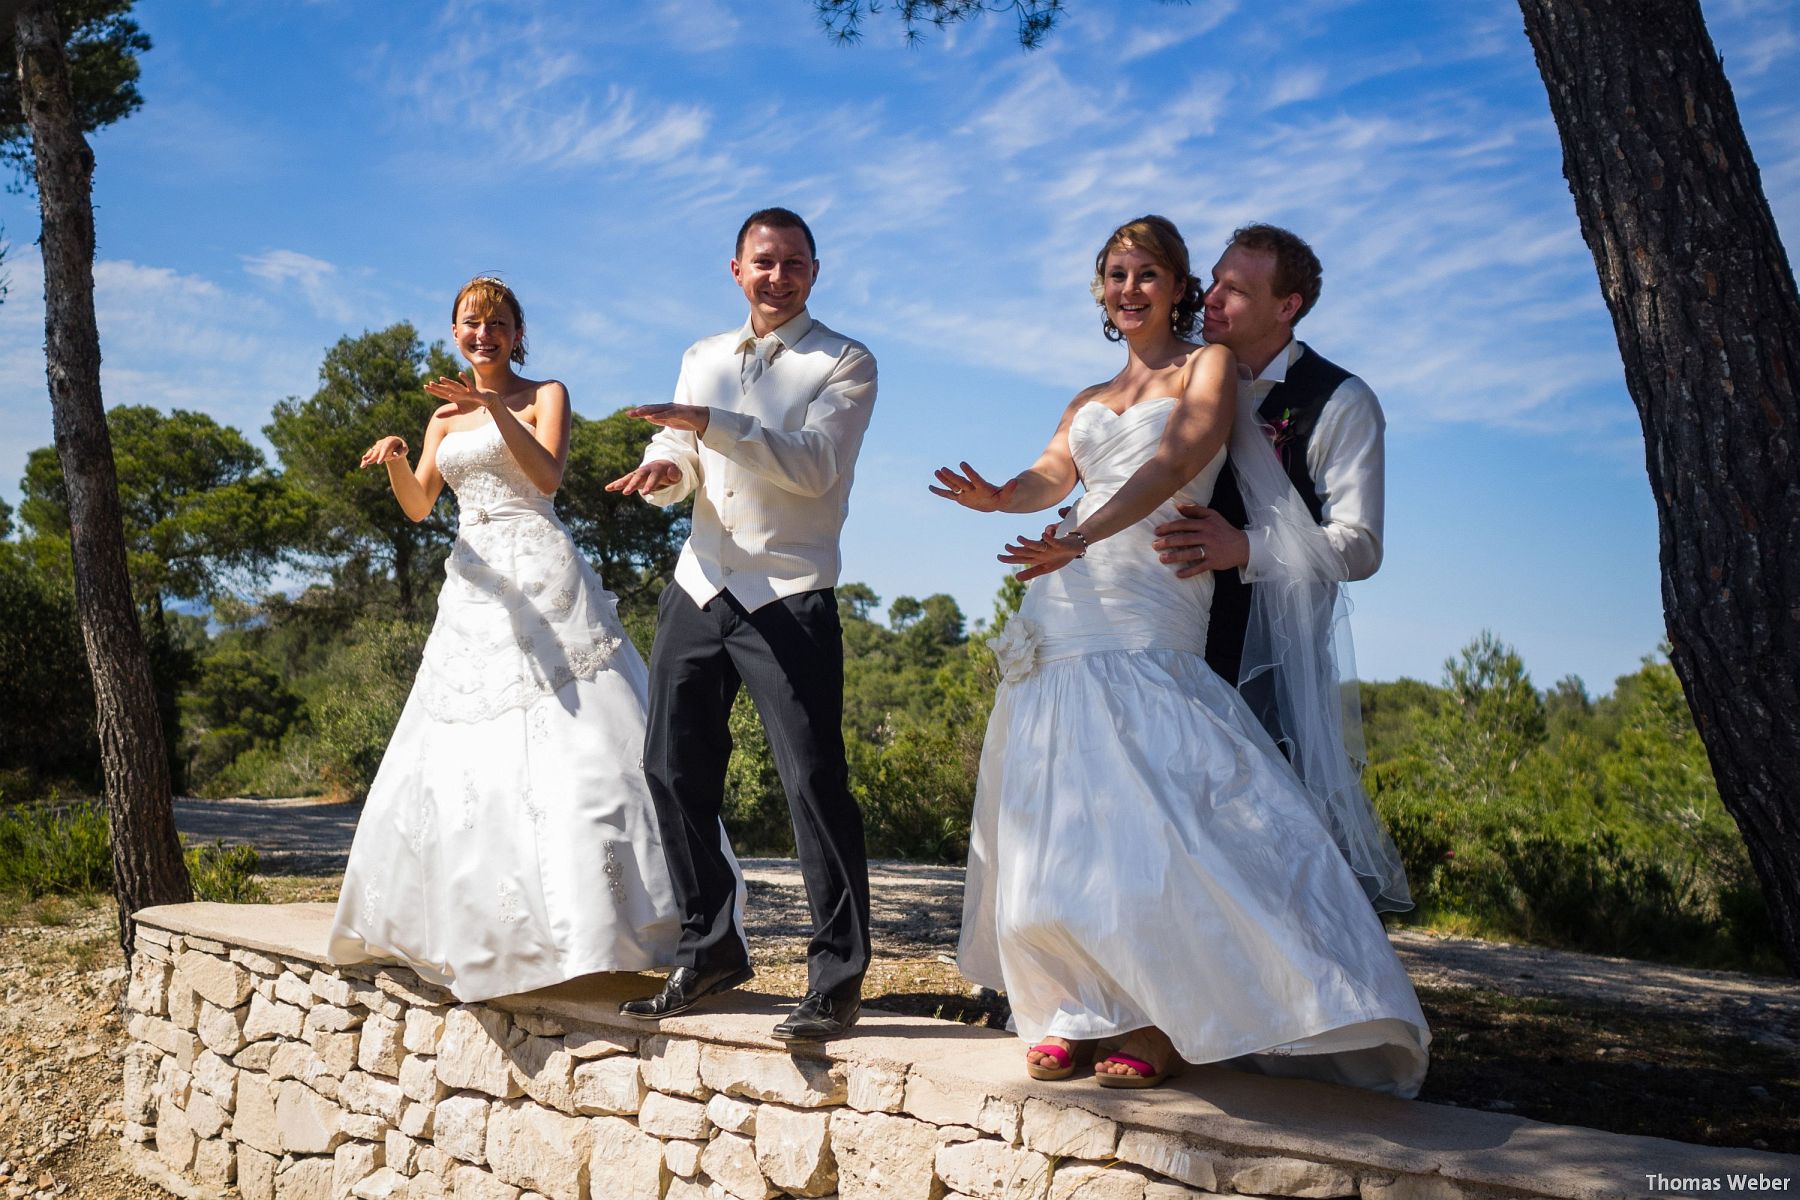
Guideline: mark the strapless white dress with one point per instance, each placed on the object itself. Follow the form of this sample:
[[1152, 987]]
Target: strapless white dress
[[1141, 853], [508, 841]]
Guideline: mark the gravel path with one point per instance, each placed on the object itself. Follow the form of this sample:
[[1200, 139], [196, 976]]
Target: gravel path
[[917, 911]]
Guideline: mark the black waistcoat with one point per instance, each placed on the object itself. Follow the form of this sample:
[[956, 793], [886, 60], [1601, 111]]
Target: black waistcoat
[[1292, 407]]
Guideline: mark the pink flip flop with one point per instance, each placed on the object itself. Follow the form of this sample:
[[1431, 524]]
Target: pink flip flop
[[1065, 1063], [1147, 1075]]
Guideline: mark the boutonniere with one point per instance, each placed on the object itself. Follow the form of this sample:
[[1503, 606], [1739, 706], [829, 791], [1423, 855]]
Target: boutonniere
[[1280, 433]]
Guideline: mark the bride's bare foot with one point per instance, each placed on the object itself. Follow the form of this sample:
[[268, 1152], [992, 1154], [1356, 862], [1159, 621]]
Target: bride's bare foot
[[1150, 1046], [1051, 1058]]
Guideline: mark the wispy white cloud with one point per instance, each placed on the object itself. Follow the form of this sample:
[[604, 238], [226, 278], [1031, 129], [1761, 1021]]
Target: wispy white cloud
[[1292, 84], [316, 280], [697, 26], [555, 110], [1758, 37], [1152, 32], [171, 339], [1044, 106]]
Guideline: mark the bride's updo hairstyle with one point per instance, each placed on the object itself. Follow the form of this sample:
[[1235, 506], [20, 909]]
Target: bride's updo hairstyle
[[490, 296], [1157, 237]]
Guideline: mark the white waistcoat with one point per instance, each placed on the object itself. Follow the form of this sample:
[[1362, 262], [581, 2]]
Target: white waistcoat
[[771, 475]]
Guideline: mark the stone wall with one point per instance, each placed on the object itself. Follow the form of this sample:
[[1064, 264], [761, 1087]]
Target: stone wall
[[254, 1065]]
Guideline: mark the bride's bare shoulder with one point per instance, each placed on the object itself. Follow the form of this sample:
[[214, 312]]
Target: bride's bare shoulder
[[1087, 395]]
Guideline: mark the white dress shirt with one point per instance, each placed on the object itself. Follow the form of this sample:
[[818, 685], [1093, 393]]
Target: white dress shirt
[[1348, 464], [771, 475]]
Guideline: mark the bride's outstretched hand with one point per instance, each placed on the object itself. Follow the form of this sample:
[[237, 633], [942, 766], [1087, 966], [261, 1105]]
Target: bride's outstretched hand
[[1041, 555], [389, 447], [461, 392], [970, 490]]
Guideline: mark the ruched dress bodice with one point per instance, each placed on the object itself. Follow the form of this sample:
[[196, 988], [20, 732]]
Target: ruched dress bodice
[[1119, 596]]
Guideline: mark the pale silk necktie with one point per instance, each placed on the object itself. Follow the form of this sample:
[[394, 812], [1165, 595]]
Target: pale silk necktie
[[762, 352]]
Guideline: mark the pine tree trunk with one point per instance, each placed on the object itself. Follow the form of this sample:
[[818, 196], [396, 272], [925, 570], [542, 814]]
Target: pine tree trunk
[[1708, 323], [147, 866]]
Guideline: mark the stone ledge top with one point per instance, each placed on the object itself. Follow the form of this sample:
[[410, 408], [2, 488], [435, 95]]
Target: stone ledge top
[[1236, 1112]]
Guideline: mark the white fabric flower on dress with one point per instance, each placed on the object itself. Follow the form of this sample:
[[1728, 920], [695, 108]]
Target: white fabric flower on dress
[[1016, 647]]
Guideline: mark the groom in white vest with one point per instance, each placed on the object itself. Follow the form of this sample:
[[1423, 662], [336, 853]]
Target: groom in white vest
[[763, 433]]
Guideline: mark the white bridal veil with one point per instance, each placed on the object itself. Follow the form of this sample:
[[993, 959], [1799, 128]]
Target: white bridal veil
[[1297, 641]]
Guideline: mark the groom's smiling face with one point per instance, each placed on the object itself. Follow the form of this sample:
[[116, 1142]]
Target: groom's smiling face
[[1242, 309], [776, 269]]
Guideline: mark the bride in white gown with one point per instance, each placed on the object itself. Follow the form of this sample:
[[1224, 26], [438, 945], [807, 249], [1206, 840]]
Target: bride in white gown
[[508, 841], [1144, 863]]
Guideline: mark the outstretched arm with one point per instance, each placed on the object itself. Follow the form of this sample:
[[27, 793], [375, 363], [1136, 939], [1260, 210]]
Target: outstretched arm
[[1046, 482], [807, 461], [417, 490], [669, 471], [1198, 427]]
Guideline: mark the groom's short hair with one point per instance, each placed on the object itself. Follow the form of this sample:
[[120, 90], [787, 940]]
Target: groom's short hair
[[1296, 266], [775, 218]]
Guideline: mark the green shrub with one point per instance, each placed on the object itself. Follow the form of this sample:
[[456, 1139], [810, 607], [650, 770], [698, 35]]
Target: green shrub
[[294, 768], [357, 700], [1595, 894], [756, 810], [239, 704], [52, 849], [226, 874], [45, 689], [1608, 836], [916, 788]]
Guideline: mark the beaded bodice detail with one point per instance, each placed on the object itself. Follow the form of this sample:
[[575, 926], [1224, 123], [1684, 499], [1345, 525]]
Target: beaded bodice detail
[[482, 471], [522, 614]]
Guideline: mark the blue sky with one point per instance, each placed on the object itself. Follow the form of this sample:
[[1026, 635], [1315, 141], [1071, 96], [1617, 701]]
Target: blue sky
[[300, 171]]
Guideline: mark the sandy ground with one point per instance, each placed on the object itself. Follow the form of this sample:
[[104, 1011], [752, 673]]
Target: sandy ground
[[62, 1038]]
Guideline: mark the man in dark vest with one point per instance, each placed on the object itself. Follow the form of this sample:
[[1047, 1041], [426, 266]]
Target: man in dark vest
[[1326, 424]]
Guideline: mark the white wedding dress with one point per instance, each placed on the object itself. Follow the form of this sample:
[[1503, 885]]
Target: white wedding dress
[[1141, 853], [508, 841]]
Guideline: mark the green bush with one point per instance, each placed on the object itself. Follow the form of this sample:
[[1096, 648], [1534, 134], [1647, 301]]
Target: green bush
[[48, 849], [238, 704], [45, 690], [357, 698], [294, 768], [1595, 894], [756, 810], [1607, 837], [225, 874], [916, 788]]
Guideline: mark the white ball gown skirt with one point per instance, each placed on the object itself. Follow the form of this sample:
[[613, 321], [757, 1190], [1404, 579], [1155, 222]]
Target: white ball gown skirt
[[508, 840]]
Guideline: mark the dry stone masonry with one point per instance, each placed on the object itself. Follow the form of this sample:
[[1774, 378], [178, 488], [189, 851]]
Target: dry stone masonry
[[258, 1070]]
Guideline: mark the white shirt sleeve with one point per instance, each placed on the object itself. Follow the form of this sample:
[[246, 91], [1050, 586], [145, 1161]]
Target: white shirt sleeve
[[805, 461], [678, 446], [1347, 459]]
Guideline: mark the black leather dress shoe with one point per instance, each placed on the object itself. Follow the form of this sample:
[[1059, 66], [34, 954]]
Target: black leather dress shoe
[[818, 1018], [685, 987]]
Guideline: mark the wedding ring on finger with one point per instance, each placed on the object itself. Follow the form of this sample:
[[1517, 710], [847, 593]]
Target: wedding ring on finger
[[1202, 550]]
